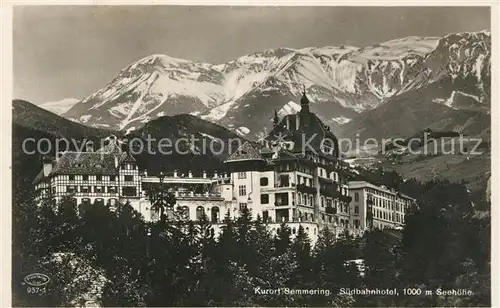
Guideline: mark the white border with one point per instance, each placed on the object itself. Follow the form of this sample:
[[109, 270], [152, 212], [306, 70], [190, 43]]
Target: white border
[[6, 111]]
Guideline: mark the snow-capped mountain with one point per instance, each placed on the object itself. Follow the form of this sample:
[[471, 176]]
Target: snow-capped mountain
[[341, 82], [59, 107]]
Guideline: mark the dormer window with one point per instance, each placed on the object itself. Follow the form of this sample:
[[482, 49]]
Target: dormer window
[[327, 147]]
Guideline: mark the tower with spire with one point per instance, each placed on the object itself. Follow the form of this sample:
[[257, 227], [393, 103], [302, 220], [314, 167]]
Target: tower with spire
[[304, 101], [304, 109]]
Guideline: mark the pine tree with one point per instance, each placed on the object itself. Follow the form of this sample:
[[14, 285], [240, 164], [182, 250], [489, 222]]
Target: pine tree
[[283, 240], [302, 277], [245, 250]]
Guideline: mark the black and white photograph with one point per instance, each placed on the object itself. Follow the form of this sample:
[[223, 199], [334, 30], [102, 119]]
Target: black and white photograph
[[168, 155]]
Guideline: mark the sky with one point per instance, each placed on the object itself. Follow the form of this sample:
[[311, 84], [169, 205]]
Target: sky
[[72, 51]]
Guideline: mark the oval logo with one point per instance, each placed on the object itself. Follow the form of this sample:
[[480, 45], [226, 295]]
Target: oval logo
[[37, 279]]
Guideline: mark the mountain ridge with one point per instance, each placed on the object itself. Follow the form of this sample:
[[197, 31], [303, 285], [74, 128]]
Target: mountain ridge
[[341, 81]]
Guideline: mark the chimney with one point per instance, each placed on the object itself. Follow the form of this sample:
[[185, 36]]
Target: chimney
[[145, 172], [215, 174], [89, 146], [116, 160], [190, 174], [204, 174], [175, 173], [47, 166]]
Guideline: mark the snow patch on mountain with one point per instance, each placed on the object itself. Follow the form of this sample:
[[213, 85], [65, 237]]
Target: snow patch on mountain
[[450, 101], [218, 112], [341, 120], [242, 130], [85, 118], [289, 108], [60, 107]]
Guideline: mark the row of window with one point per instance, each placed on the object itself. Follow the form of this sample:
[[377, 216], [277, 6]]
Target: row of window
[[126, 190], [304, 180], [88, 189], [387, 204], [396, 217], [332, 176], [111, 178], [387, 195]]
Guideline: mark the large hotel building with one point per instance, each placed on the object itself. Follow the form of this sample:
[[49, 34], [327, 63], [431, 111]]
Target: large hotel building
[[297, 177]]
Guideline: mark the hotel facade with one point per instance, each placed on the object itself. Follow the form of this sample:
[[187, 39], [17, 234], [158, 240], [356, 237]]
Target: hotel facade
[[377, 206], [295, 176]]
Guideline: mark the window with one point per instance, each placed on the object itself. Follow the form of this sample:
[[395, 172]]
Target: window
[[85, 177], [284, 180], [129, 178], [264, 181], [71, 177], [242, 175], [99, 189], [112, 189], [356, 223], [242, 189], [356, 209], [265, 216], [281, 199], [200, 211], [322, 202], [264, 199], [356, 197], [112, 178], [129, 191], [71, 189], [85, 189], [327, 147], [243, 206], [214, 214], [98, 177]]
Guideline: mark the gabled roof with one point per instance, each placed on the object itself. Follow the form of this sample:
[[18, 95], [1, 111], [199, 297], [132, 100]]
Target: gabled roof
[[88, 163], [306, 136], [105, 161], [245, 152]]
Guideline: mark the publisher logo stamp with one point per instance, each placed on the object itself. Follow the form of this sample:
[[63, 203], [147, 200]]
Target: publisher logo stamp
[[36, 279]]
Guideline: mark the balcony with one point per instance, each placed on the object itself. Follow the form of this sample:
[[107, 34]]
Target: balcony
[[306, 189], [330, 210]]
